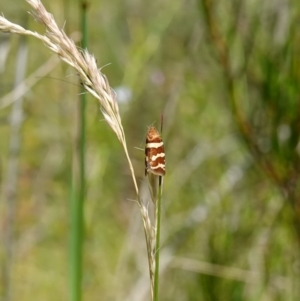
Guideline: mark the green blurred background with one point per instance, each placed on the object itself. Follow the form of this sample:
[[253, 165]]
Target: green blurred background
[[225, 75]]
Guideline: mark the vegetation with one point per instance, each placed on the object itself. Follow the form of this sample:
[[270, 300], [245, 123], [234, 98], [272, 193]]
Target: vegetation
[[225, 76]]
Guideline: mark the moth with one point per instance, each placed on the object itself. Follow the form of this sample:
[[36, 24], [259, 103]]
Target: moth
[[155, 153]]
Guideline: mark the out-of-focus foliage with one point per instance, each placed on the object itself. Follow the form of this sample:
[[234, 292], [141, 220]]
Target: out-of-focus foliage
[[218, 70]]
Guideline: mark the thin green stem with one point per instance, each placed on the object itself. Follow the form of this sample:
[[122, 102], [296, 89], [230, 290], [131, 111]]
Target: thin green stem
[[76, 245], [78, 190], [157, 239]]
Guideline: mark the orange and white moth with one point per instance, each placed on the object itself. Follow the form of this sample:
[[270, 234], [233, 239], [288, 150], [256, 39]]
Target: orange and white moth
[[155, 153]]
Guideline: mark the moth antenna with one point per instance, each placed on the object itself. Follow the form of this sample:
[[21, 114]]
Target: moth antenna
[[161, 123]]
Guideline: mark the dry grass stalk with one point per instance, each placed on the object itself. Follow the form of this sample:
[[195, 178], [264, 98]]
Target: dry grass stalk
[[94, 82], [29, 82]]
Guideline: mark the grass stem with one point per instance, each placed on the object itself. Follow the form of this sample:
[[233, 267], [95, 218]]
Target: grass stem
[[79, 195], [157, 238]]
